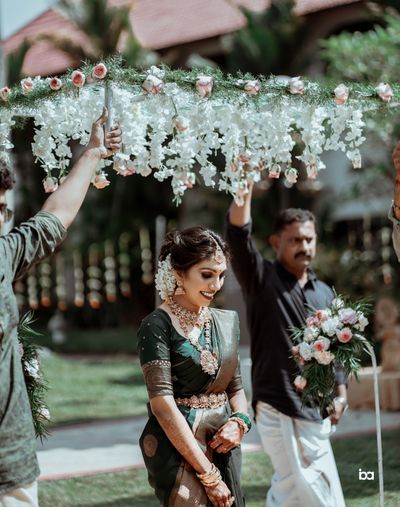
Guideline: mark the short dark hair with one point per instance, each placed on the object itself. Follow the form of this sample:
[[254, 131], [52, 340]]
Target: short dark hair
[[7, 178], [191, 246], [291, 215]]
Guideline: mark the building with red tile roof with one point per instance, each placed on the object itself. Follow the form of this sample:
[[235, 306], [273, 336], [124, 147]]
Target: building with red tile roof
[[157, 25]]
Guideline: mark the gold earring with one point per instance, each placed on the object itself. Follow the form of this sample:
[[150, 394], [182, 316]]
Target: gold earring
[[179, 291]]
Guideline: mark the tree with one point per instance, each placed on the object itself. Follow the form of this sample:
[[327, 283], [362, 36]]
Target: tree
[[349, 55], [269, 41]]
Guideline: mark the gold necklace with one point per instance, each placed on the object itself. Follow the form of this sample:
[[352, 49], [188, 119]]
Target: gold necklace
[[187, 321]]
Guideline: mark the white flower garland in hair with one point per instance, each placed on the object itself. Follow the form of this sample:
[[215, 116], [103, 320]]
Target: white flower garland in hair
[[165, 279]]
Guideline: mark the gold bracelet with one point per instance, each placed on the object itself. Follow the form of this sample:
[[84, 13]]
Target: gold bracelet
[[210, 478], [242, 425]]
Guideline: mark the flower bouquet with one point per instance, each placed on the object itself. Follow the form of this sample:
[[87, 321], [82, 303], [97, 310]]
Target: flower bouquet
[[331, 338]]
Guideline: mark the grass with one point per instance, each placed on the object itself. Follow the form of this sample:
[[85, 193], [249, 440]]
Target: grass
[[92, 341], [130, 488], [84, 390]]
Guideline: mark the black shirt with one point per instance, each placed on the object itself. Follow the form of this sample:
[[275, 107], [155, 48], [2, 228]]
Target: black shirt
[[275, 302]]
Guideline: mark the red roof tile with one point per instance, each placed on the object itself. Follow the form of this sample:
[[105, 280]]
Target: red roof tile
[[157, 24]]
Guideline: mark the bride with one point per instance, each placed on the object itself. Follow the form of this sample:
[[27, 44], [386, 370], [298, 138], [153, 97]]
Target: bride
[[189, 355]]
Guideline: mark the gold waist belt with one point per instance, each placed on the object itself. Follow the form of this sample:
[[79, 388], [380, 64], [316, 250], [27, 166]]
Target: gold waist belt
[[203, 400]]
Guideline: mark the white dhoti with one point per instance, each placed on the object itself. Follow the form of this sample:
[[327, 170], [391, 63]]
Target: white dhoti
[[24, 496], [305, 473]]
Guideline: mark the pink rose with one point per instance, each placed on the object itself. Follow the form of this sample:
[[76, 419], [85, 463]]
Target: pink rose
[[341, 94], [181, 124], [384, 91], [26, 85], [123, 165], [126, 171], [100, 181], [153, 84], [312, 171], [4, 92], [245, 156], [296, 86], [321, 344], [324, 356], [252, 87], [292, 175], [296, 355], [55, 83], [344, 335], [204, 86], [348, 316], [190, 180], [274, 171], [322, 315], [50, 184], [357, 164], [311, 321], [99, 71], [146, 171], [78, 78], [300, 382], [62, 179]]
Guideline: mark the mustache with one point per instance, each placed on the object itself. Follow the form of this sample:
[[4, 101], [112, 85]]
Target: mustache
[[302, 254]]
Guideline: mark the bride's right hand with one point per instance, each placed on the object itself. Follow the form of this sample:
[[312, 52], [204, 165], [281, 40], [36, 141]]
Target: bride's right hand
[[219, 495]]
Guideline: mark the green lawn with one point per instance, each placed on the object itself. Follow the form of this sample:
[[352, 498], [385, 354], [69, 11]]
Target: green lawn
[[130, 488], [94, 389]]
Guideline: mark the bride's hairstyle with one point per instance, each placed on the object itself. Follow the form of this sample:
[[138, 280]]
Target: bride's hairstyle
[[190, 246]]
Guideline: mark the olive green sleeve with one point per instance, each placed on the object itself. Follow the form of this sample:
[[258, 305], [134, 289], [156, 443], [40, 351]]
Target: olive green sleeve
[[30, 242], [154, 337]]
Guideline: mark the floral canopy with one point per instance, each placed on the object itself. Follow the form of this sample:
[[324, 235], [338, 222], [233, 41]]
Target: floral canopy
[[176, 122]]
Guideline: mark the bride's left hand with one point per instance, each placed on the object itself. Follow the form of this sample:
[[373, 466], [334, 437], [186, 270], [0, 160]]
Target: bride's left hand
[[227, 437]]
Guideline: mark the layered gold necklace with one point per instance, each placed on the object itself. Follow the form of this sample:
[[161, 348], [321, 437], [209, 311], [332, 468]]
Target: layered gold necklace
[[189, 320]]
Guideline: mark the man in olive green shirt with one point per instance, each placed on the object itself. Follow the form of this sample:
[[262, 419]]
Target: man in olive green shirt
[[25, 245]]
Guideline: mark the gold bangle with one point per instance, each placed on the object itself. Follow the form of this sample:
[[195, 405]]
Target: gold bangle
[[242, 425], [210, 478]]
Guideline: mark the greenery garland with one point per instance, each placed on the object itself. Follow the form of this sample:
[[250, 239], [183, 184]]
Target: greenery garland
[[225, 87], [36, 385]]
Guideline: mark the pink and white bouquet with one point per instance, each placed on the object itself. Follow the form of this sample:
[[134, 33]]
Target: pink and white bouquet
[[332, 338]]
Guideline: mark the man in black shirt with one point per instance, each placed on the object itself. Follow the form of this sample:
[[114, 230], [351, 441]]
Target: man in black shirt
[[277, 296]]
